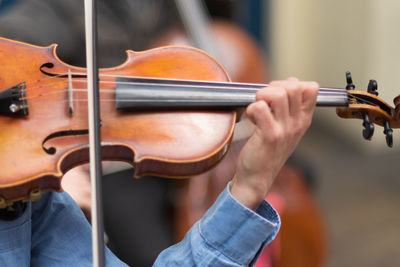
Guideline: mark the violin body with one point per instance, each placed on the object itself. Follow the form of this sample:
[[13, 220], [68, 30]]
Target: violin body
[[51, 137]]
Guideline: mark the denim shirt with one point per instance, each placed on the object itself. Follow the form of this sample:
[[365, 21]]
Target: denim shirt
[[229, 234], [54, 232]]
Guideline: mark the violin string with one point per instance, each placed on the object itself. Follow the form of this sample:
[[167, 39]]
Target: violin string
[[84, 99], [322, 92], [103, 100], [256, 86], [183, 83], [174, 82], [338, 92], [345, 93], [30, 84], [123, 100], [225, 86], [203, 84]]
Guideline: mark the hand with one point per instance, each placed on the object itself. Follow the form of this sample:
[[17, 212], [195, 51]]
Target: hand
[[282, 113]]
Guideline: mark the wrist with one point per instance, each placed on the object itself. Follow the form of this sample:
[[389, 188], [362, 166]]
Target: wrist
[[249, 196]]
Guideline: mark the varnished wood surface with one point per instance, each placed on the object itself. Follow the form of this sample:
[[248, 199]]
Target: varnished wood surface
[[150, 141]]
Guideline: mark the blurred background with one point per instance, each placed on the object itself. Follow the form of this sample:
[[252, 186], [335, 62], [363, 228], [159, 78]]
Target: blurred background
[[354, 181], [357, 181]]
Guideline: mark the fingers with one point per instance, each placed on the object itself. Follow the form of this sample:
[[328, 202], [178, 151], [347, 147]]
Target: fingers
[[301, 95], [288, 100], [310, 93], [291, 85], [277, 99], [261, 115]]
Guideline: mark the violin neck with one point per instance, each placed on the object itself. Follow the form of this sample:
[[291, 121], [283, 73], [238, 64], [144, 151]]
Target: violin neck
[[144, 93]]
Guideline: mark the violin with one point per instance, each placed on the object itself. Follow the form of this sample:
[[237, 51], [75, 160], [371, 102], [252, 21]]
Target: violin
[[168, 111]]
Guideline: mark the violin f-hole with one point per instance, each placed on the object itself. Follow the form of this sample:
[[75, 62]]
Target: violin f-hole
[[52, 150], [50, 65]]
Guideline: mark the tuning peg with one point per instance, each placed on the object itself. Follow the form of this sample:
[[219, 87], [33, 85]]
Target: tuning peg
[[368, 127], [389, 134], [349, 80], [372, 87]]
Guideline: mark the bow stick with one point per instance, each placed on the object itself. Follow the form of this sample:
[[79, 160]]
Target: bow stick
[[94, 133]]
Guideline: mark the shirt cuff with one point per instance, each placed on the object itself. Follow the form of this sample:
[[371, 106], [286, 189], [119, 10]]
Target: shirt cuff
[[236, 231]]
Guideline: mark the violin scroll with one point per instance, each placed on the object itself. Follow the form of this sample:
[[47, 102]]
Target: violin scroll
[[396, 102], [368, 107]]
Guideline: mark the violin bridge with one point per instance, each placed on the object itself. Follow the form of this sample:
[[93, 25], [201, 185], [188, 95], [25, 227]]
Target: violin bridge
[[70, 95]]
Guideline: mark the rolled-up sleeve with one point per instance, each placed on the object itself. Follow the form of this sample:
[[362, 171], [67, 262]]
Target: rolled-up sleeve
[[229, 234]]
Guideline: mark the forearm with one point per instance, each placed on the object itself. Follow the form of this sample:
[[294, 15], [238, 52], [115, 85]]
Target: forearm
[[229, 234]]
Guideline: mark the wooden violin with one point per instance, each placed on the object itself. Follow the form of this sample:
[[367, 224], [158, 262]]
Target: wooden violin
[[168, 111]]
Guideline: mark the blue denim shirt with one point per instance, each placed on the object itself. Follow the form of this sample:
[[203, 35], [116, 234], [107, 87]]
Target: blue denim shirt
[[54, 232], [229, 234]]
